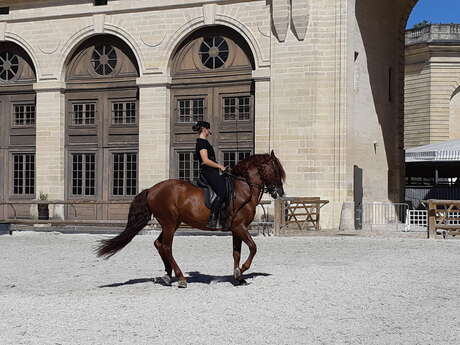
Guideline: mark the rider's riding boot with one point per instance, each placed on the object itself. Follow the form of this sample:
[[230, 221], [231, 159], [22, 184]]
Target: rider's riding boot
[[215, 213]]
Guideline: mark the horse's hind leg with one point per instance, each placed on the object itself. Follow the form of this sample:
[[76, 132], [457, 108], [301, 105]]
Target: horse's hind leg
[[167, 240], [168, 269], [236, 257]]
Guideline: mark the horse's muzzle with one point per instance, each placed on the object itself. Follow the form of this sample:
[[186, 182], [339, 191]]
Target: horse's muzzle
[[277, 192], [280, 191]]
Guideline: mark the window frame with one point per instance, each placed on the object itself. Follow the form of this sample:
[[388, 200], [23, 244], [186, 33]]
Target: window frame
[[237, 152], [177, 172], [12, 194], [13, 113], [225, 62], [83, 196], [125, 152], [237, 96], [100, 2], [98, 172], [191, 97], [112, 101], [70, 113]]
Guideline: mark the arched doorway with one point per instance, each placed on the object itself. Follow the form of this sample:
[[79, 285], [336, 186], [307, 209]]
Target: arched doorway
[[17, 127], [102, 126], [212, 81]]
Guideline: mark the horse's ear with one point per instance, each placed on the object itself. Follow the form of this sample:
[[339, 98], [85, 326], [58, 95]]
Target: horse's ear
[[272, 154]]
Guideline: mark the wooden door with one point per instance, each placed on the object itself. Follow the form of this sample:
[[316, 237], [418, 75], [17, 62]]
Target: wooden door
[[211, 81], [228, 109], [3, 155]]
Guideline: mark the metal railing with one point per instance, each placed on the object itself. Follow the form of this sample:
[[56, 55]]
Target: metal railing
[[416, 221], [384, 216], [59, 219], [264, 226]]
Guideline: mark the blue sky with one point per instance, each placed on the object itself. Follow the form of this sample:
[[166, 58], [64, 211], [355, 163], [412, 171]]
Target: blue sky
[[435, 11]]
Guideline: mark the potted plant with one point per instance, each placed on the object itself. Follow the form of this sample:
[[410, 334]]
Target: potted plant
[[43, 212]]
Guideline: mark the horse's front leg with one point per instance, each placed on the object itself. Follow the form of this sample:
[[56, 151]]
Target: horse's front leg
[[243, 233], [236, 256]]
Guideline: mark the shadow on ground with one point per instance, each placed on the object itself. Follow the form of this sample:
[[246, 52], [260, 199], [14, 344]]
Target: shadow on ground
[[192, 278]]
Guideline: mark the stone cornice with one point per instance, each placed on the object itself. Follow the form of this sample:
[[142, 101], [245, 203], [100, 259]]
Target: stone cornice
[[49, 86], [262, 74], [36, 12], [434, 34], [154, 80]]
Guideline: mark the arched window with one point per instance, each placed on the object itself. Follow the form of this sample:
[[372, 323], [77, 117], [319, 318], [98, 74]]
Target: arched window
[[102, 125], [17, 126], [212, 81]]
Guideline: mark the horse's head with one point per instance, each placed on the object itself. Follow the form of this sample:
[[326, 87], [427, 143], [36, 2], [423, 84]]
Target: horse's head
[[263, 169], [272, 174]]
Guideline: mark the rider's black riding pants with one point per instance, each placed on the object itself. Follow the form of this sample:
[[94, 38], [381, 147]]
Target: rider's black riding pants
[[216, 180]]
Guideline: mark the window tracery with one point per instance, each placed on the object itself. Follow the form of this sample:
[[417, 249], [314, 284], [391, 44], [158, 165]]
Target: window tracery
[[214, 52]]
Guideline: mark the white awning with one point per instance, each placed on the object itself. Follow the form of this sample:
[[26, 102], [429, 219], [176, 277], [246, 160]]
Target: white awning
[[446, 151]]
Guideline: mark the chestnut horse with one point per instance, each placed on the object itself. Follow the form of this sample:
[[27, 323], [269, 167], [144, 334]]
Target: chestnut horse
[[173, 202]]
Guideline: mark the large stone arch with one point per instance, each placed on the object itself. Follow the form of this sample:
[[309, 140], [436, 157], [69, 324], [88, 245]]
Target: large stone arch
[[17, 125], [102, 105], [198, 23], [28, 48], [376, 111], [211, 79], [87, 32]]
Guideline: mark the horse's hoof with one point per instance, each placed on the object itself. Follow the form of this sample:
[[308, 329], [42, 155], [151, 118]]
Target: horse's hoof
[[240, 282], [237, 274], [182, 284], [166, 280]]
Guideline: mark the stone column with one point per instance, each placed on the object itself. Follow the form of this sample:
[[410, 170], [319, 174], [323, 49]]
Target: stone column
[[50, 139], [262, 110], [262, 125], [154, 130]]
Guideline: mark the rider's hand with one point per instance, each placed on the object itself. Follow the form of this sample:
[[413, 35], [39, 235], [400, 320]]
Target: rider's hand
[[222, 168]]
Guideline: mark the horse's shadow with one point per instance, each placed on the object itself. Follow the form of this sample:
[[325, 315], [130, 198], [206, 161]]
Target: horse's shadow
[[194, 277], [197, 277]]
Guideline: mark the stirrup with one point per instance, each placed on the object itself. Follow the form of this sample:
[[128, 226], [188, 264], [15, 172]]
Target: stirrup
[[213, 224]]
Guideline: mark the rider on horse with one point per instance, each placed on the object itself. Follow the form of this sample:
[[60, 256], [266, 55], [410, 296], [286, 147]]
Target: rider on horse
[[209, 169]]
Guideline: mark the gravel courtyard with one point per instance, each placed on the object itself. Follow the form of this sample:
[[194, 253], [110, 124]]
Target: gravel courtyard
[[303, 290]]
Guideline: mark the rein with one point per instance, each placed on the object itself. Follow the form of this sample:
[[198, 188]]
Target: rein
[[261, 186], [262, 190]]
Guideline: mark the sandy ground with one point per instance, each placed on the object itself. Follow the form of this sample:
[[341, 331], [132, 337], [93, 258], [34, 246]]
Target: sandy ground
[[304, 290]]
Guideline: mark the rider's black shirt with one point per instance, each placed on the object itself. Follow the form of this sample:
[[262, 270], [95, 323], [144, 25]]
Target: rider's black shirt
[[204, 144]]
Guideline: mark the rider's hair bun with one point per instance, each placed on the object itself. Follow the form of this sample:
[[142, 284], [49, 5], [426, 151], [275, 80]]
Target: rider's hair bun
[[196, 127]]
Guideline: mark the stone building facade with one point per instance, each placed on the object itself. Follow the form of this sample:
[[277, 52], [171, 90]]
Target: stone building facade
[[432, 100], [113, 88]]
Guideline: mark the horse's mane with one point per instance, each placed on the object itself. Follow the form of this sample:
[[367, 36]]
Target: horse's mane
[[242, 168]]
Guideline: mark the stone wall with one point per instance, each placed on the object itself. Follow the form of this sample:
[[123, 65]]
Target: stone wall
[[324, 97], [432, 77]]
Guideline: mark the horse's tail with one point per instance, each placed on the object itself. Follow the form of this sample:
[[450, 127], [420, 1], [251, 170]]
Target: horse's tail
[[138, 217]]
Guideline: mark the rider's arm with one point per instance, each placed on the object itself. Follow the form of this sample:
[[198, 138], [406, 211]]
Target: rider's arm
[[208, 162]]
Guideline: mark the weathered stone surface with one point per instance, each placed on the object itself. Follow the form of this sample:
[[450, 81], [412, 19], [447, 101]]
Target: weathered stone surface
[[300, 13], [320, 109], [432, 78], [280, 18]]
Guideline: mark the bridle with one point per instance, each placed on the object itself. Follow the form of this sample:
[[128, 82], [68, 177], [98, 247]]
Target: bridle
[[263, 188]]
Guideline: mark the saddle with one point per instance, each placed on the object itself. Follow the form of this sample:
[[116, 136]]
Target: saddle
[[210, 195]]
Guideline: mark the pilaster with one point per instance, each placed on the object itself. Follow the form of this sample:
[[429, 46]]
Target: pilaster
[[262, 109], [50, 138], [154, 130]]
